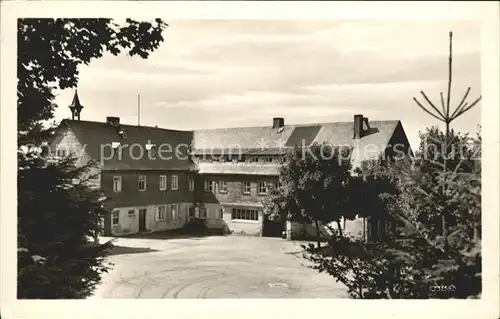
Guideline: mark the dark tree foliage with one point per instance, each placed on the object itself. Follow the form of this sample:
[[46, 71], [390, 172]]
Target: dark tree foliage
[[314, 181], [51, 50], [437, 201], [416, 262], [369, 187], [58, 215], [58, 210], [460, 151], [462, 154]]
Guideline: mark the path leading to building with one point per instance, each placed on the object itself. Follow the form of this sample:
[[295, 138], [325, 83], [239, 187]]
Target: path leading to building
[[214, 267]]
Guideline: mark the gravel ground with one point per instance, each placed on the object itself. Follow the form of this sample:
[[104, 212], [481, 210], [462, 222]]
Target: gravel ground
[[213, 267]]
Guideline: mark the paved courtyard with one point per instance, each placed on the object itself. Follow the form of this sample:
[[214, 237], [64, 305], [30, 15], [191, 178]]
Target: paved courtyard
[[214, 267]]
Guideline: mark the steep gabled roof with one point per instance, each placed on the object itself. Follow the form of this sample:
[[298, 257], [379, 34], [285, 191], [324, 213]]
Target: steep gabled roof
[[271, 141], [244, 138], [97, 138]]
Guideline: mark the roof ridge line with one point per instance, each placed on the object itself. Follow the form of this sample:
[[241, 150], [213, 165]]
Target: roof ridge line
[[67, 120], [289, 125]]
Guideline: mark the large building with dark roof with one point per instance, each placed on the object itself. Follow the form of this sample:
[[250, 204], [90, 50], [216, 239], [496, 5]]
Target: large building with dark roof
[[157, 179]]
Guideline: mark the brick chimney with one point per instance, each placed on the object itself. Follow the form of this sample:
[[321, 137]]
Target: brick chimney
[[278, 122], [113, 121], [358, 126], [365, 120]]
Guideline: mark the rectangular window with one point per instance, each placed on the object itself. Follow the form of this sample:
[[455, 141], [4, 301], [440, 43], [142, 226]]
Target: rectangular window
[[142, 182], [209, 186], [163, 182], [175, 182], [222, 187], [246, 188], [174, 211], [255, 159], [191, 184], [115, 218], [268, 159], [131, 213], [244, 214], [117, 184], [61, 152], [221, 213], [262, 188], [161, 212], [203, 212]]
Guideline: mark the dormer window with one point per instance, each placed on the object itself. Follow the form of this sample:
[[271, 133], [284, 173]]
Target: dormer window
[[117, 149], [151, 148]]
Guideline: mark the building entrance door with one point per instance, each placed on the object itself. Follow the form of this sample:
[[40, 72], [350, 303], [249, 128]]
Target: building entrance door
[[272, 228], [142, 220]]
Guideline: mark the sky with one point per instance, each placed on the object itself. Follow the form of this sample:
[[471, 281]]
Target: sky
[[230, 73]]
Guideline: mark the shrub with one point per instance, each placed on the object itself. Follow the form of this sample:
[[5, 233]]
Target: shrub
[[195, 226]]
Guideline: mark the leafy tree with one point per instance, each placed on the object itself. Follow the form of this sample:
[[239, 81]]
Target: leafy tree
[[314, 182], [418, 260], [58, 209], [369, 190], [51, 50], [438, 201]]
